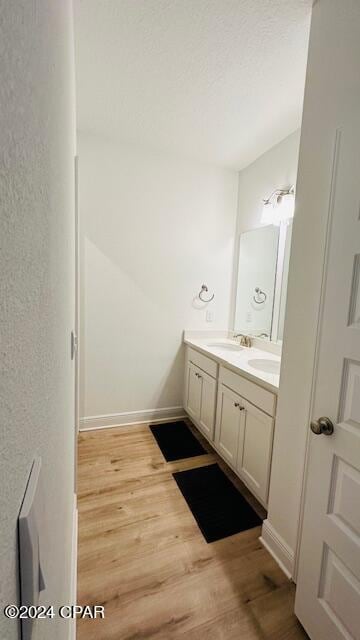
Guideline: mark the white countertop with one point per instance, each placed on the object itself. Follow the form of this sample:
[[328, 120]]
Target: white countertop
[[240, 360]]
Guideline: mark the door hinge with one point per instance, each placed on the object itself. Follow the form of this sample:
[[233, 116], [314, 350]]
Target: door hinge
[[74, 345]]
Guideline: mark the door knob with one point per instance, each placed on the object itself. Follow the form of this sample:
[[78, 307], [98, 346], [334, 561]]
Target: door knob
[[322, 426]]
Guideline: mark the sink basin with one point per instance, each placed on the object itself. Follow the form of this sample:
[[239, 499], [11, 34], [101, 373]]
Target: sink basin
[[225, 346], [266, 365]]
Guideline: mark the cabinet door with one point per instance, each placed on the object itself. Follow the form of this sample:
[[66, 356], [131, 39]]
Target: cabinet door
[[255, 449], [194, 383], [207, 408], [228, 423]]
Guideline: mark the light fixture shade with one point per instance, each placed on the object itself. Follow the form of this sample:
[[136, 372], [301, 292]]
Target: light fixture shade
[[278, 208], [268, 213], [286, 207]]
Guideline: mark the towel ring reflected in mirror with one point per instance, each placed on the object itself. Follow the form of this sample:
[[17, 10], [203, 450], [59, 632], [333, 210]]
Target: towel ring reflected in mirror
[[204, 289], [259, 294]]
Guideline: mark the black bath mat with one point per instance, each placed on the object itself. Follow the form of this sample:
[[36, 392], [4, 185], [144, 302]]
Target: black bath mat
[[217, 506], [176, 441]]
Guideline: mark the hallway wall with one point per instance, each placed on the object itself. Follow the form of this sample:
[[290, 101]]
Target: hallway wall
[[36, 290], [154, 227]]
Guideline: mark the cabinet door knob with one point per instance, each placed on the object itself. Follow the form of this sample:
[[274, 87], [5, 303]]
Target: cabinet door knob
[[238, 406]]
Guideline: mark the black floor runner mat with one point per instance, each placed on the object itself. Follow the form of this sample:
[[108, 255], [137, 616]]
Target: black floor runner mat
[[217, 506], [176, 441]]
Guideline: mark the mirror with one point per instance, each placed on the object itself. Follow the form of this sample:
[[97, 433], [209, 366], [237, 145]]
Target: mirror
[[263, 267], [258, 251]]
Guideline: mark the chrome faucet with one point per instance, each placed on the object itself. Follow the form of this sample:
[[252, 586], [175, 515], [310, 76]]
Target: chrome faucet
[[245, 341]]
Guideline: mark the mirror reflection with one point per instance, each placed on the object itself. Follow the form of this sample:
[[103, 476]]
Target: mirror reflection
[[263, 267]]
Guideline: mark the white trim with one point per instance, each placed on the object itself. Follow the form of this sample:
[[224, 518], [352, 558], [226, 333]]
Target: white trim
[[131, 417], [330, 216], [278, 548], [74, 553], [77, 298], [76, 319]]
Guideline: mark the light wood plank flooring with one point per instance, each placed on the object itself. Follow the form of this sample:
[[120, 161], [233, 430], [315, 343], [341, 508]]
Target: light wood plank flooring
[[143, 557]]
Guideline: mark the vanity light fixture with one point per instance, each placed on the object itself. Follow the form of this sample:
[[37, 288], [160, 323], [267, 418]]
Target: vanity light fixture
[[279, 206]]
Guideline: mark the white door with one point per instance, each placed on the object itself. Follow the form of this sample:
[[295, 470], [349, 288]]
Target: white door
[[193, 395], [230, 415], [77, 300], [254, 451], [207, 408], [328, 590]]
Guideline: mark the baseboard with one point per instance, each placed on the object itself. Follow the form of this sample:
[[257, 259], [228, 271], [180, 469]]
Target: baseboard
[[277, 547], [131, 417], [74, 553]]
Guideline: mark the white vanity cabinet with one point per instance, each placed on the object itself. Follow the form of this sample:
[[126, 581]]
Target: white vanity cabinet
[[200, 391], [236, 415], [243, 438], [244, 429]]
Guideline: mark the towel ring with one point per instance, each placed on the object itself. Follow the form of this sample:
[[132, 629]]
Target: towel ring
[[260, 293], [203, 289]]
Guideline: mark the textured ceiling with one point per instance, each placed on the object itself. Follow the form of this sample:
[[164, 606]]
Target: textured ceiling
[[217, 80]]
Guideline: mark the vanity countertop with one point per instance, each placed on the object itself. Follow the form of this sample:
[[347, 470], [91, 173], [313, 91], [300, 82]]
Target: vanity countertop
[[258, 365]]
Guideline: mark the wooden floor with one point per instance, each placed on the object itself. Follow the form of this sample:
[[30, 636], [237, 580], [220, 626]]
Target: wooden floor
[[143, 557]]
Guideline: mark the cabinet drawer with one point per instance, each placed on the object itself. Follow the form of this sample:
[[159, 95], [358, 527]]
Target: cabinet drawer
[[260, 397], [203, 362]]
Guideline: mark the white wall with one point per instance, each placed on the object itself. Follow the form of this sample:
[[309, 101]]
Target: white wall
[[331, 99], [154, 228], [275, 169], [36, 284]]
